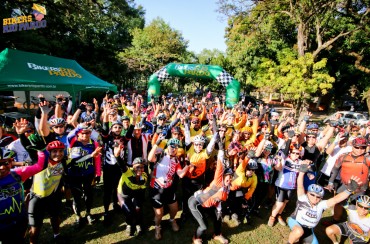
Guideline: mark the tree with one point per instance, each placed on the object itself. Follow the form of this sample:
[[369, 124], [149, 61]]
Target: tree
[[89, 31], [315, 25], [153, 47]]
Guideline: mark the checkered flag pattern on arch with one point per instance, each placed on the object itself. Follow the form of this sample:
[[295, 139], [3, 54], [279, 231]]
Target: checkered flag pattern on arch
[[162, 74], [224, 78]]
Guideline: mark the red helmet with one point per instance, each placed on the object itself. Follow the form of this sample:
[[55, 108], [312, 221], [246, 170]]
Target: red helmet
[[359, 142], [55, 145]]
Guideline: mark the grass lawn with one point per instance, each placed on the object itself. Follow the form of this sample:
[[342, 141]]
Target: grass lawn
[[258, 232]]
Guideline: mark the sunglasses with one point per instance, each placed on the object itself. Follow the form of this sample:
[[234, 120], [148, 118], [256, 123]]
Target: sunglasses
[[28, 131], [85, 133], [4, 163], [363, 207], [58, 126], [354, 131], [362, 148], [198, 144], [139, 167], [195, 122], [315, 196], [296, 153], [160, 118], [174, 146], [311, 137]]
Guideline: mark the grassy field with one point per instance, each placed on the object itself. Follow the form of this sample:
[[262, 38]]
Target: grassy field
[[258, 232]]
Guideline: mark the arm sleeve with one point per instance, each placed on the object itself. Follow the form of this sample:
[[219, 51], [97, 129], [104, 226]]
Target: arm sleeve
[[97, 162], [27, 171], [129, 153], [211, 145], [252, 188]]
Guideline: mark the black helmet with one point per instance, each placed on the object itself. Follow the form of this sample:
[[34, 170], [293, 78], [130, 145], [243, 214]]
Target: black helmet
[[228, 171]]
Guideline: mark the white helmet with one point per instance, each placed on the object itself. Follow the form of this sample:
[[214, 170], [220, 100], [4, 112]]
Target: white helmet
[[199, 139]]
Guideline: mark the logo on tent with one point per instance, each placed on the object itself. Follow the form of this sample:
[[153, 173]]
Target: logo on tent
[[23, 22]]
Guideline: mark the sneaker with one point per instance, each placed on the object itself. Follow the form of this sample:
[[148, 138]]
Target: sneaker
[[157, 233], [130, 230], [271, 221], [197, 241], [234, 216], [281, 221], [174, 225], [90, 219], [221, 239], [139, 230]]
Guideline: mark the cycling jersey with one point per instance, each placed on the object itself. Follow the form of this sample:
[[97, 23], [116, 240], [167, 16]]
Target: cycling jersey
[[241, 181], [47, 181], [352, 166], [129, 183], [198, 160], [21, 153], [265, 169], [306, 214], [287, 177], [164, 172], [11, 192], [216, 192], [77, 151], [359, 227]]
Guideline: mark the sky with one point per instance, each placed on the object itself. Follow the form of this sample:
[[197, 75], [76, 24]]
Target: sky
[[197, 20]]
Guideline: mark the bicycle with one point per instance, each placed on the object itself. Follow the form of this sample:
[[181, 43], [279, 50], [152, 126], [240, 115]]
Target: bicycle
[[34, 101]]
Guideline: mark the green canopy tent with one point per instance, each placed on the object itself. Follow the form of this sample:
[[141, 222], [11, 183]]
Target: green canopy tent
[[25, 71]]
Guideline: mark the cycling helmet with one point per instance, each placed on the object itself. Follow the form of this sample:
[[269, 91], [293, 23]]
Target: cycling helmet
[[30, 125], [316, 189], [199, 139], [176, 129], [173, 141], [162, 116], [252, 164], [138, 160], [364, 199], [312, 126], [228, 171], [55, 145], [359, 142], [5, 153], [117, 122], [268, 146], [57, 121]]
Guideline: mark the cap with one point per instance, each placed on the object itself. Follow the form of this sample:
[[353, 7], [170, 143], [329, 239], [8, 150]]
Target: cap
[[138, 126], [125, 117], [89, 104]]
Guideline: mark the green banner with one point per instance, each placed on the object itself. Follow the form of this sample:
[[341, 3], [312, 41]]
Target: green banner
[[199, 71]]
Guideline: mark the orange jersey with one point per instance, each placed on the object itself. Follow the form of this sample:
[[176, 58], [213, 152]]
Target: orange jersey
[[197, 163], [216, 192]]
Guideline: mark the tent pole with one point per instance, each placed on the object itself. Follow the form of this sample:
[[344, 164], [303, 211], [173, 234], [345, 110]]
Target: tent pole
[[27, 95]]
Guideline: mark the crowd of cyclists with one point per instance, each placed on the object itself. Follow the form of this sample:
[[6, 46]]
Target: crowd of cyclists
[[224, 160]]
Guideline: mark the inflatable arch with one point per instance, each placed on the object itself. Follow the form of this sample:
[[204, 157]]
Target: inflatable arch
[[198, 71]]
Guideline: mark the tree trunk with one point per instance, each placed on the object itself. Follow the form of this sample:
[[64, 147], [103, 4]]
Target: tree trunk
[[301, 39]]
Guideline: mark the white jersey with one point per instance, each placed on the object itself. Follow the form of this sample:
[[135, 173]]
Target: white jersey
[[360, 227], [164, 172], [21, 153], [306, 214], [329, 164]]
